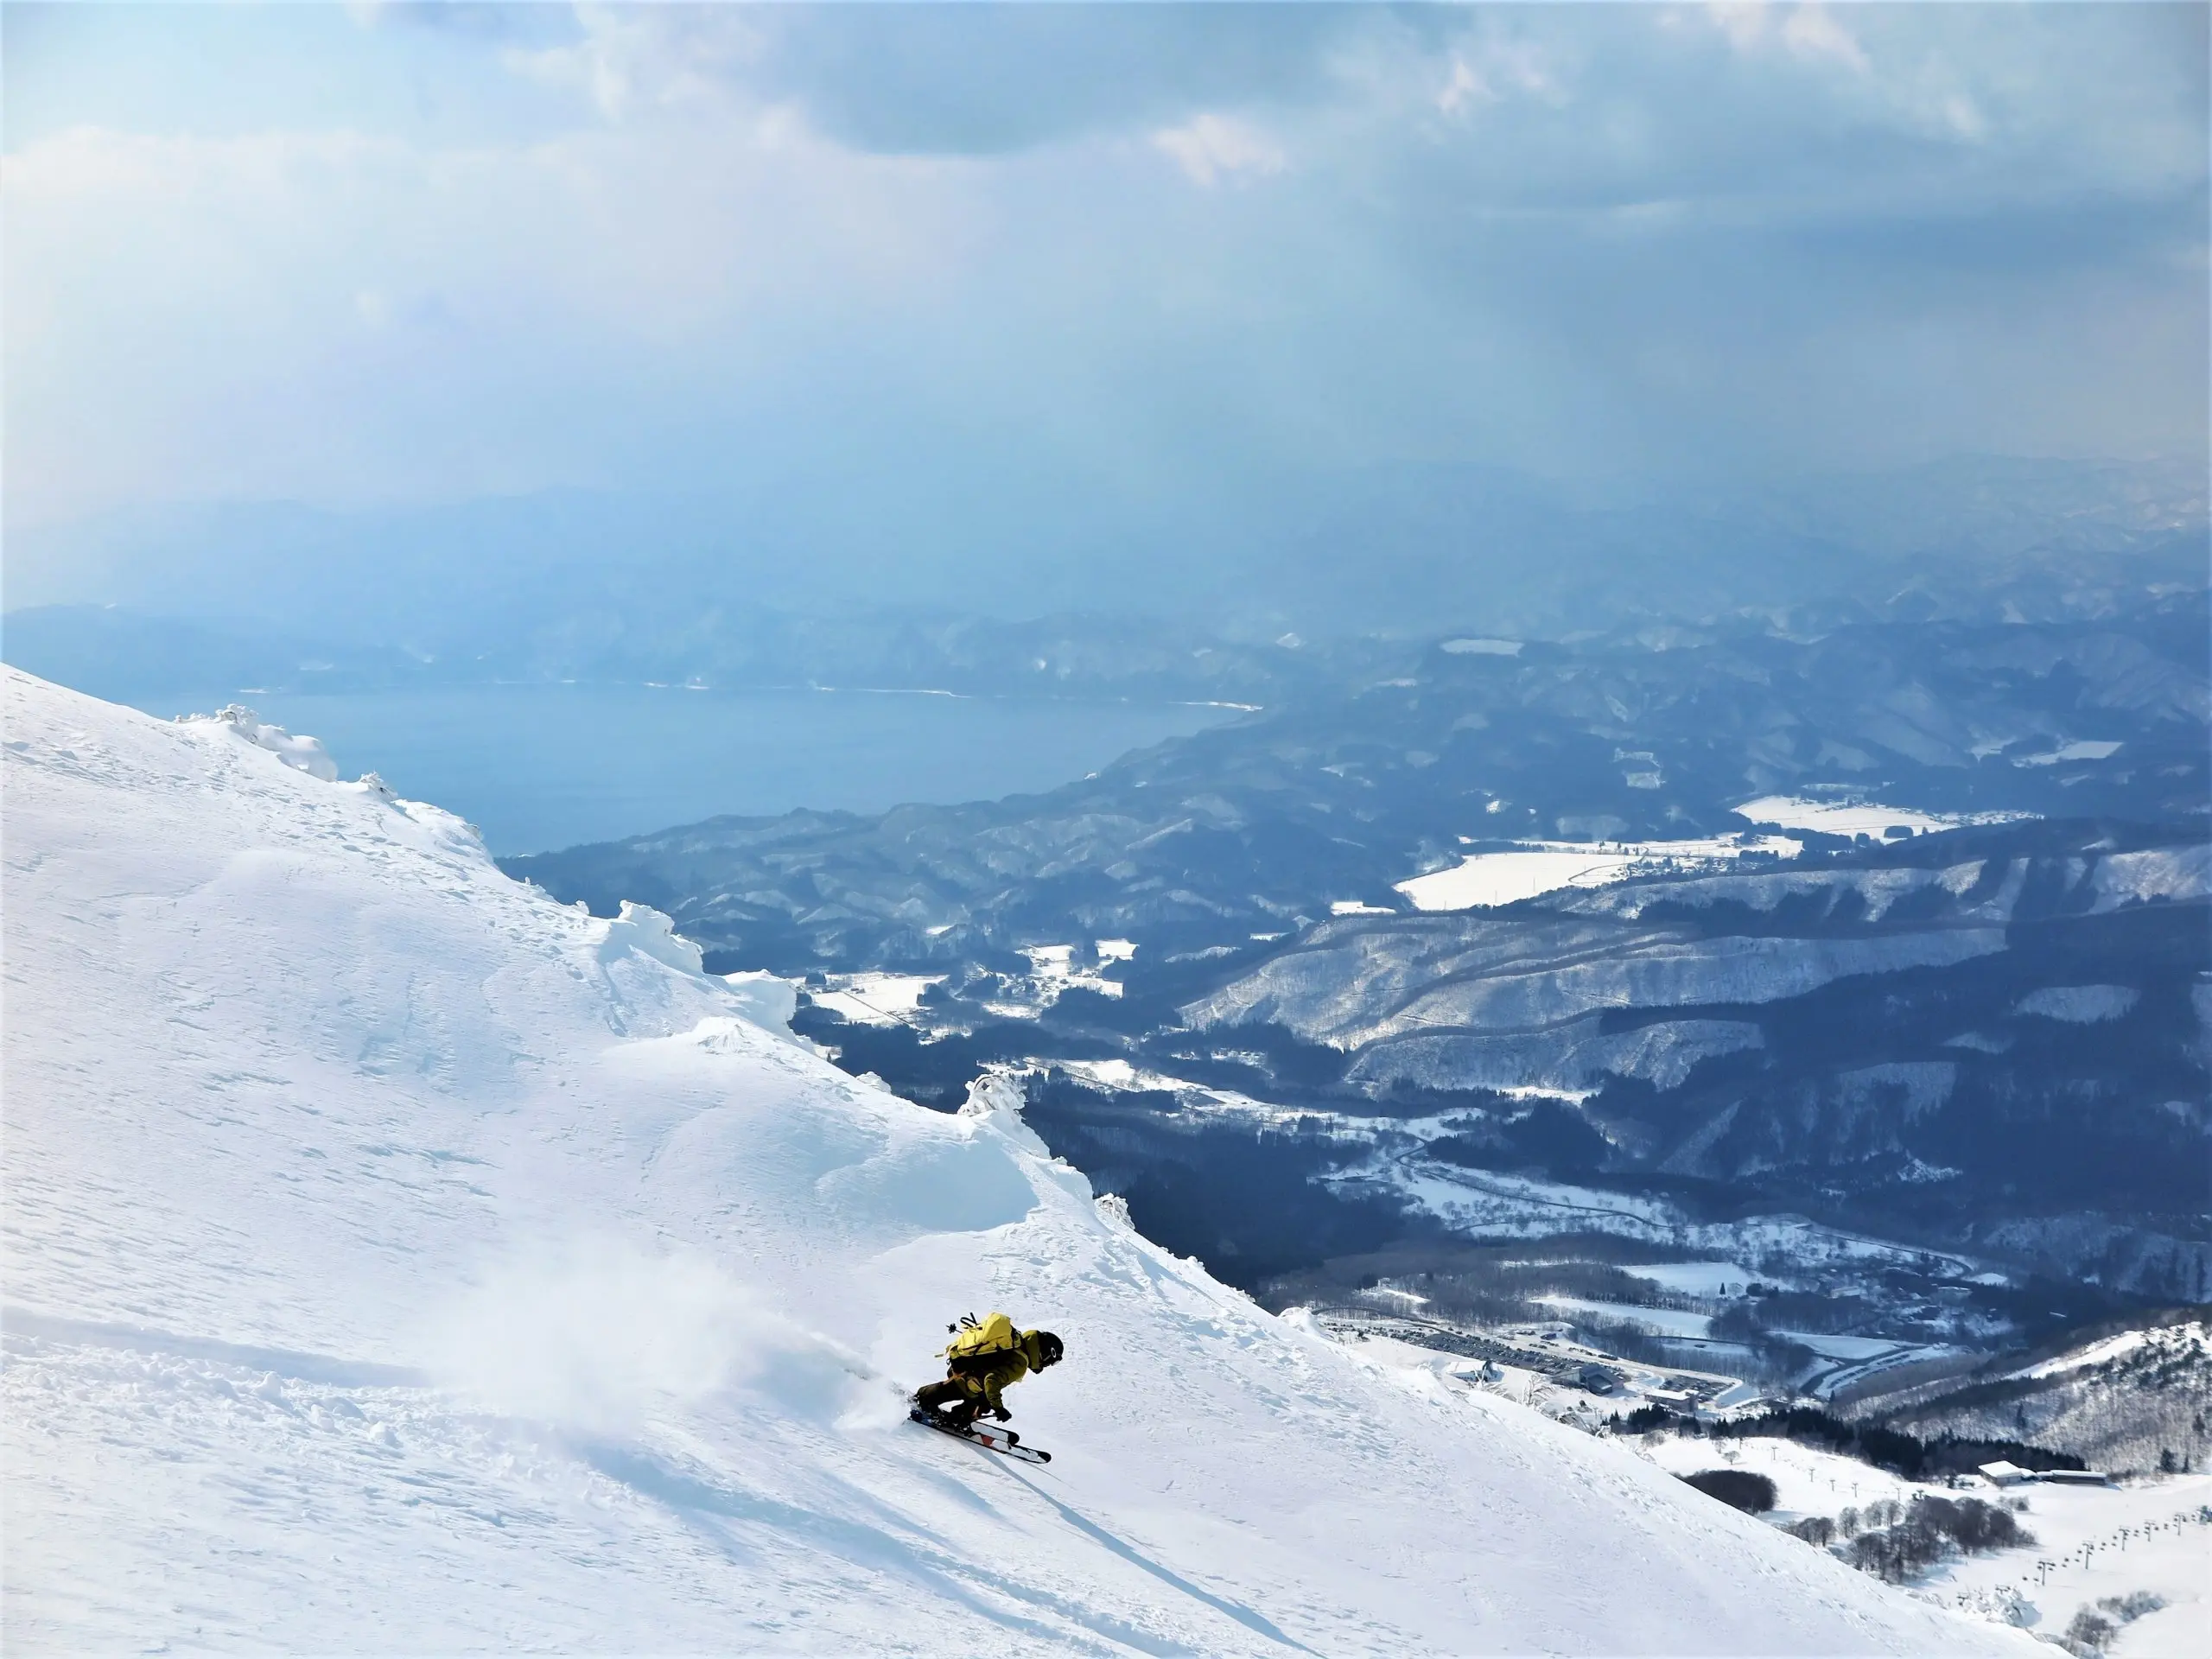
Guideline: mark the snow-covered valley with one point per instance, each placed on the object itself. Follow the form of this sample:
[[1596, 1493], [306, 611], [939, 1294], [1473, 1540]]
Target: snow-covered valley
[[398, 1260], [1213, 969]]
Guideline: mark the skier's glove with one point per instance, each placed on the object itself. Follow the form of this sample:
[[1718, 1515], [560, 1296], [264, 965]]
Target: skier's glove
[[1001, 1413]]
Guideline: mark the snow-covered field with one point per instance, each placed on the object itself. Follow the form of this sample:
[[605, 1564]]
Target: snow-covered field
[[1481, 880], [1859, 818], [1833, 1347], [1053, 969], [1705, 1278], [2080, 749], [2149, 1535], [876, 999], [2090, 1542], [1807, 1480], [1660, 1321], [397, 1261]]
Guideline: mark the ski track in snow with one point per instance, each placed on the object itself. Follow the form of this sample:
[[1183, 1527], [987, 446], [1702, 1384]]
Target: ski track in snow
[[397, 1261]]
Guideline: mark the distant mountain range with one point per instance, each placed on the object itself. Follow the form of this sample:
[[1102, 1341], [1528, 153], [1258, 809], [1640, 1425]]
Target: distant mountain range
[[1771, 1025], [1988, 1041], [1994, 1037], [579, 585], [1655, 731], [127, 654]]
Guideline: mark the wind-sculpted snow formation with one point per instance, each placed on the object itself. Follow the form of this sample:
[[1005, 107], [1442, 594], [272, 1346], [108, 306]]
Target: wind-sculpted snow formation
[[400, 1261]]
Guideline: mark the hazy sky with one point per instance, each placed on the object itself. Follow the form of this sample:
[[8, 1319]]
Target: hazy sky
[[957, 265]]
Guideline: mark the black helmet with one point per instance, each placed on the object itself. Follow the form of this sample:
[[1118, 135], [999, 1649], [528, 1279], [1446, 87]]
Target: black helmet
[[1049, 1349]]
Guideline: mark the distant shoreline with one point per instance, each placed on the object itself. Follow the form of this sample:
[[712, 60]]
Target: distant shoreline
[[543, 765]]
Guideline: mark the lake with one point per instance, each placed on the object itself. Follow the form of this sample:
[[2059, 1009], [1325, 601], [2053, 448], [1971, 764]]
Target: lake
[[543, 767]]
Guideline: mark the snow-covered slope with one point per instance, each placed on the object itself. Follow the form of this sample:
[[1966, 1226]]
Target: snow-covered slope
[[397, 1261]]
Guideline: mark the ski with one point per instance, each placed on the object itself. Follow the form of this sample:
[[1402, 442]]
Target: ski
[[992, 1440]]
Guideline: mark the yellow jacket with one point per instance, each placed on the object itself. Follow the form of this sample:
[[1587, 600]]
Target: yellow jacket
[[981, 1376]]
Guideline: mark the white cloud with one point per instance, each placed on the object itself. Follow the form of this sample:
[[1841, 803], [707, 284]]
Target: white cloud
[[698, 241], [1213, 147], [1812, 32], [1964, 117], [332, 316], [1485, 73], [1464, 87], [1742, 22], [1808, 32], [630, 58]]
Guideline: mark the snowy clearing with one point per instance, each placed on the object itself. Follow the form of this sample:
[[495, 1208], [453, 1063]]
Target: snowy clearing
[[1832, 1347], [2189, 1333], [2105, 1541], [2080, 749], [1483, 880], [1705, 1278], [399, 1260], [1807, 1480], [1659, 1321], [1054, 970], [876, 999], [1859, 818], [2079, 1005], [2090, 1542]]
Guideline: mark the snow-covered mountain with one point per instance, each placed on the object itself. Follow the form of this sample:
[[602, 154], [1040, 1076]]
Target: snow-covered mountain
[[397, 1260], [2130, 1402]]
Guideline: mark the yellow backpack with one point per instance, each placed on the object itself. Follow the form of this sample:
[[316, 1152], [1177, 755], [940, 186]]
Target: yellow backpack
[[973, 1340]]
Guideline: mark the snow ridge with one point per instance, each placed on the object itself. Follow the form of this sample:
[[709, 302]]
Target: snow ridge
[[397, 1260]]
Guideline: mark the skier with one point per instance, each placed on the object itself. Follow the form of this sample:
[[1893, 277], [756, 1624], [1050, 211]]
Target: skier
[[983, 1358]]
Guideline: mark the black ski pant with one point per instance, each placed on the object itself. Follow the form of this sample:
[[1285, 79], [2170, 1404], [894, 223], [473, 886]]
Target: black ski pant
[[949, 1399]]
